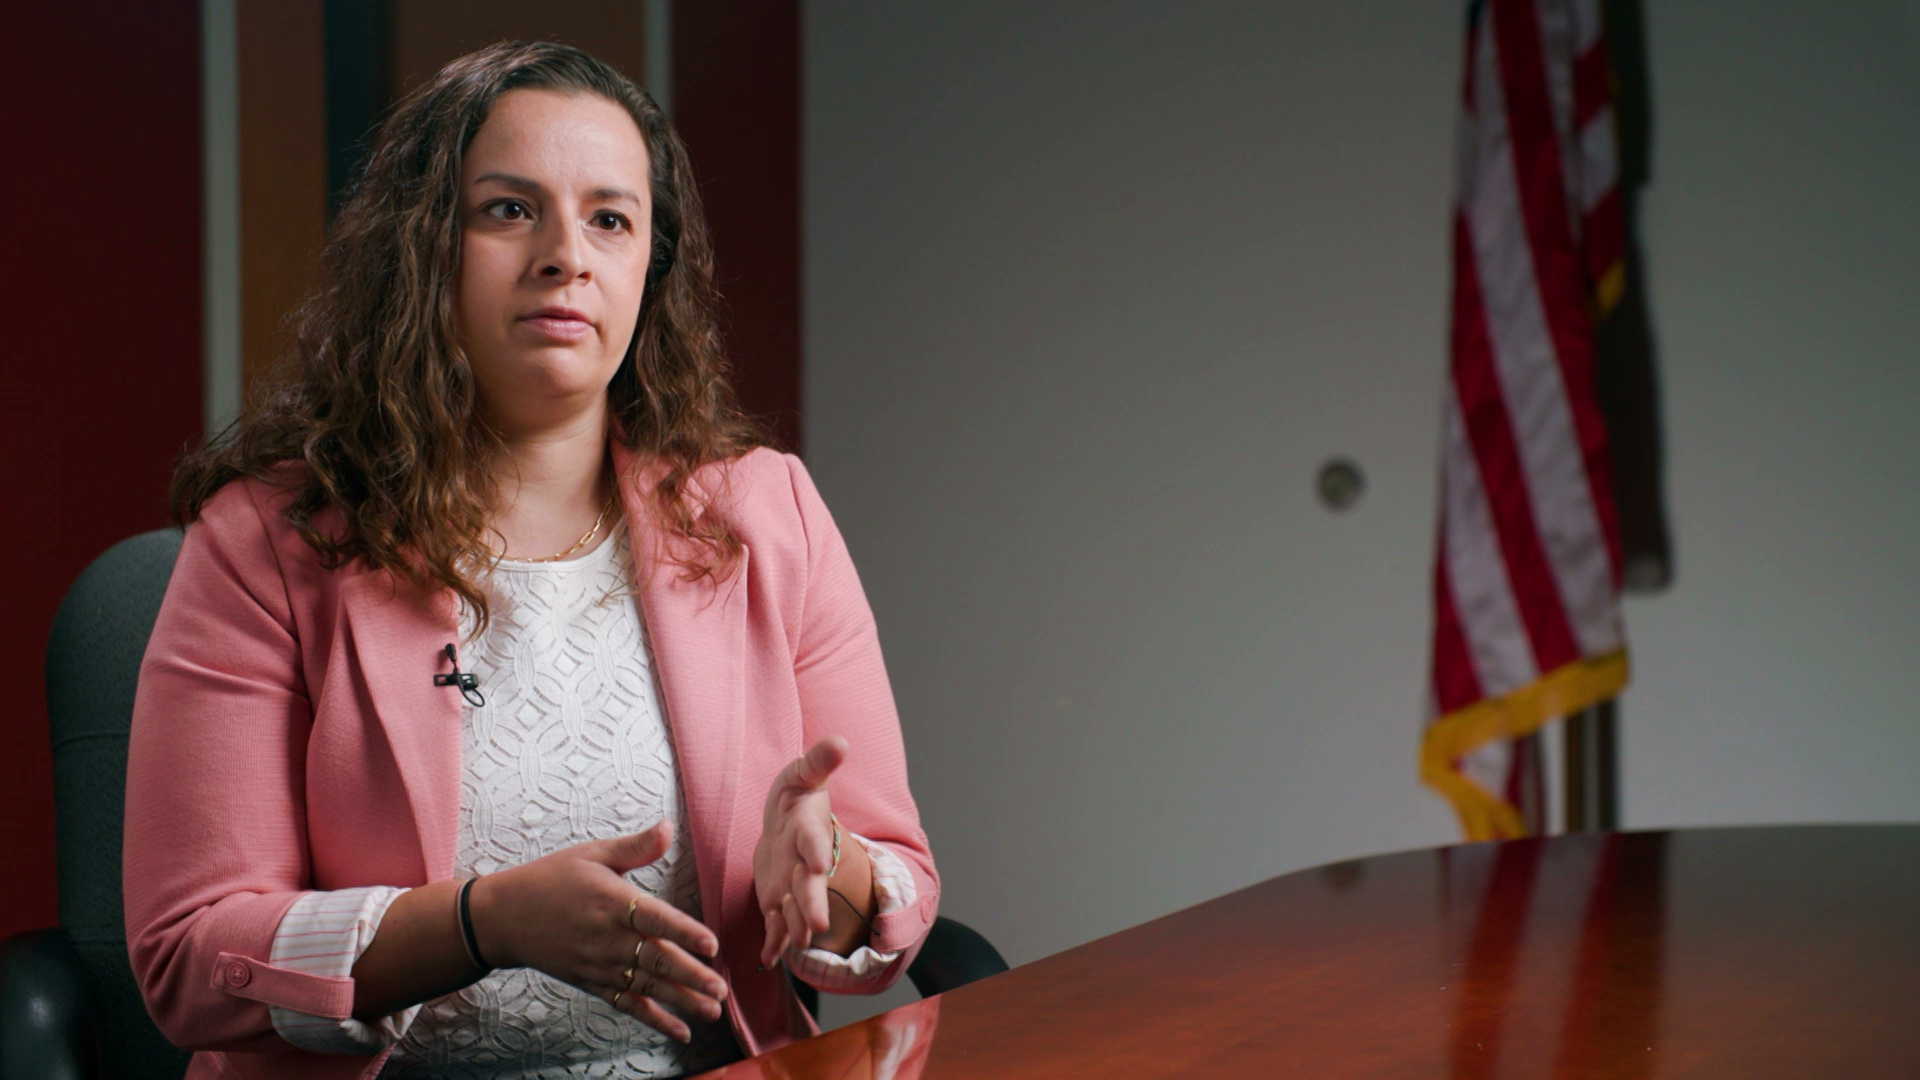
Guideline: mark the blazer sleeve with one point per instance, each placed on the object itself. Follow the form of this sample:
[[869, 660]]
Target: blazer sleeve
[[844, 691], [215, 848]]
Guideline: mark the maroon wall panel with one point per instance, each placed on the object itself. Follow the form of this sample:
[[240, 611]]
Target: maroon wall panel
[[102, 357], [736, 101]]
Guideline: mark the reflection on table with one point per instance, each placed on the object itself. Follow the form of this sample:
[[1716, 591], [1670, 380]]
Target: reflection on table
[[1767, 952]]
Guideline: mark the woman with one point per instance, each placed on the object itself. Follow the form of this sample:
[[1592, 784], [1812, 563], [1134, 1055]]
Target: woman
[[512, 711]]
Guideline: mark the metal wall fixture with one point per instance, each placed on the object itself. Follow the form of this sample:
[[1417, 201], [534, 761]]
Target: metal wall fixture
[[1340, 485]]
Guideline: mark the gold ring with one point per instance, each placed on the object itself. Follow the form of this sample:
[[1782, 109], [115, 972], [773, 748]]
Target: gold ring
[[631, 906], [626, 979], [636, 951], [616, 998]]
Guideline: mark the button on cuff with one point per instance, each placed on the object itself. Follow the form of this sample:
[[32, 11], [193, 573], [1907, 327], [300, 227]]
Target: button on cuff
[[234, 974], [328, 997]]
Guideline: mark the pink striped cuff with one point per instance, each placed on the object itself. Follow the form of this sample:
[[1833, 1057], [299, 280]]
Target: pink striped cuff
[[323, 933]]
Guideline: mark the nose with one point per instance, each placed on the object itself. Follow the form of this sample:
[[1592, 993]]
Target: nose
[[563, 259]]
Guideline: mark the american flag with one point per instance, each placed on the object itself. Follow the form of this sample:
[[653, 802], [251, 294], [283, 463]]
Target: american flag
[[1527, 583]]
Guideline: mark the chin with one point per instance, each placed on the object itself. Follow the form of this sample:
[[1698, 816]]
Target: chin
[[560, 371], [543, 383]]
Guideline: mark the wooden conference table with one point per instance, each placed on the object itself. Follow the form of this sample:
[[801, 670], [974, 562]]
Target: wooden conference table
[[1722, 953]]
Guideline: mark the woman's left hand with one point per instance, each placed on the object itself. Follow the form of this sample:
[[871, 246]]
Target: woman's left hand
[[795, 852]]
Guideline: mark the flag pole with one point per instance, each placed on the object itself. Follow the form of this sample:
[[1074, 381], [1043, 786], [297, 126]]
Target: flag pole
[[1606, 762], [1590, 763], [1573, 761]]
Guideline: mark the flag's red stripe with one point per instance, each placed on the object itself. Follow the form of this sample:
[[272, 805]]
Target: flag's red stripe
[[1557, 265], [1606, 234], [1456, 684], [1483, 409], [1592, 88]]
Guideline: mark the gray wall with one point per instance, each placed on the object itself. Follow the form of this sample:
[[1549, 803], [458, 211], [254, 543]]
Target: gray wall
[[1091, 296]]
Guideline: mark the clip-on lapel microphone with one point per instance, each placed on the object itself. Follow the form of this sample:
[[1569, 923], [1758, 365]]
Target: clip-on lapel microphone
[[468, 682]]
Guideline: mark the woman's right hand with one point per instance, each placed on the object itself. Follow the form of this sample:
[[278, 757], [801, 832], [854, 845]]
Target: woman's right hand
[[566, 914]]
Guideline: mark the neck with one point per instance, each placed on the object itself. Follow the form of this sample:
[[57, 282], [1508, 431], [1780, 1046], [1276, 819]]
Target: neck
[[553, 484]]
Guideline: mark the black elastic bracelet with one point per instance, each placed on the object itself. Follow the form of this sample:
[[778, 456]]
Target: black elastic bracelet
[[864, 921], [466, 929]]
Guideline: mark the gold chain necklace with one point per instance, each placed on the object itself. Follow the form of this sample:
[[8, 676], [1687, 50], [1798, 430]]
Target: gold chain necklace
[[580, 543]]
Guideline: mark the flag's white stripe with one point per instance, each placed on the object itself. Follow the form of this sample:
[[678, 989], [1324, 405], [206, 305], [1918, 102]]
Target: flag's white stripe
[[1529, 372], [1587, 25], [1599, 160], [1497, 640], [1555, 19], [1489, 765], [1556, 24]]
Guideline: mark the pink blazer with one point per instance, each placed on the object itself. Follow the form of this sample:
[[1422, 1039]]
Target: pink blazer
[[287, 736]]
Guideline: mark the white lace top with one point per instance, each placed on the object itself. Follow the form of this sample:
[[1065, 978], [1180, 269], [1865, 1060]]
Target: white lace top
[[572, 745]]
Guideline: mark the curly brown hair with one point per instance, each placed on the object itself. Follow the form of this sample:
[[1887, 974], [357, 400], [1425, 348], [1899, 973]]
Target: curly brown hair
[[373, 413]]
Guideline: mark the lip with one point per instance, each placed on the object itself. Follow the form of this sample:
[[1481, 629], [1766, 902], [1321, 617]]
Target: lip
[[559, 323]]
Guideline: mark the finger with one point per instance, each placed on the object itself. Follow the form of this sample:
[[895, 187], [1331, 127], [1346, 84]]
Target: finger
[[651, 1013], [810, 892], [809, 771], [671, 965], [786, 927], [654, 918], [799, 934], [814, 843], [771, 950], [624, 853], [792, 935], [685, 1001], [654, 956]]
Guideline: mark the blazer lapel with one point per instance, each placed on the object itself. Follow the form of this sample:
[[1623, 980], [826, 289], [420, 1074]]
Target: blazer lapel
[[698, 635], [698, 632], [398, 639]]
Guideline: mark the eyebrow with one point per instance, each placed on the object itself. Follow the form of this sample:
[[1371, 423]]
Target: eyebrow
[[532, 187]]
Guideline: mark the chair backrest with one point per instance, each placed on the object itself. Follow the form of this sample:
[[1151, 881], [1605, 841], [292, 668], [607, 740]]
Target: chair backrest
[[93, 666]]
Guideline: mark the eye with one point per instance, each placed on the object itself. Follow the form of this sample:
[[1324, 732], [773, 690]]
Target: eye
[[507, 210], [610, 221]]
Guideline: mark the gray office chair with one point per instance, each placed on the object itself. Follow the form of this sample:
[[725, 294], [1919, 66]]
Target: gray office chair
[[69, 1008]]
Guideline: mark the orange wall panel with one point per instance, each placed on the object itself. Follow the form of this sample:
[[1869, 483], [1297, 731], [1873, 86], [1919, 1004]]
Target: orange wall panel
[[283, 167]]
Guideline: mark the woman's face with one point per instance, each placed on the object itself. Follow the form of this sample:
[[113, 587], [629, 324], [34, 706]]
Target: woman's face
[[556, 231]]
